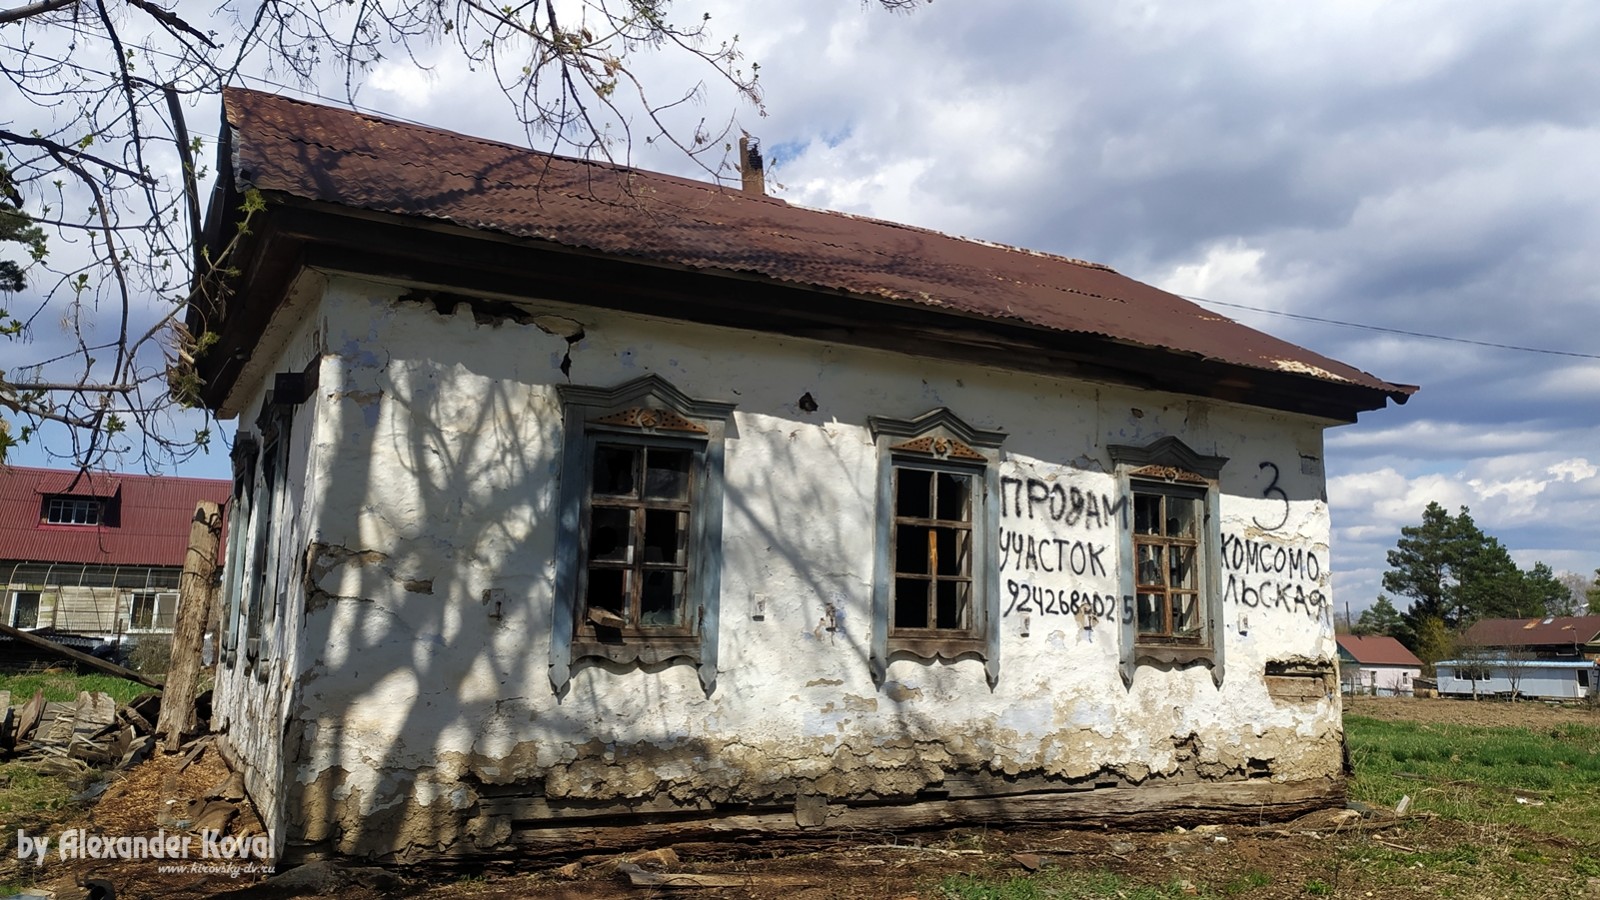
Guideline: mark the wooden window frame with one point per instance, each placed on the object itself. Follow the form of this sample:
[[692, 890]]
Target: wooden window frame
[[1165, 545], [648, 412], [1167, 466], [932, 632], [590, 626], [937, 441]]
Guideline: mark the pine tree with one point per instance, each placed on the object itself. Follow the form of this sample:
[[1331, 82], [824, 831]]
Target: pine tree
[[1381, 618]]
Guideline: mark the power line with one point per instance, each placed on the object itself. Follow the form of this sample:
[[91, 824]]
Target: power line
[[1400, 331], [1223, 303]]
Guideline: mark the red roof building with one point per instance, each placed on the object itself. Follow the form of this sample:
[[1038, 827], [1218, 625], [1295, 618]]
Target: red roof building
[[1377, 664], [1376, 650], [94, 552]]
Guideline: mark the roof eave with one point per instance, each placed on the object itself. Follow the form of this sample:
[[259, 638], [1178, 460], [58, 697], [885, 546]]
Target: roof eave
[[293, 233]]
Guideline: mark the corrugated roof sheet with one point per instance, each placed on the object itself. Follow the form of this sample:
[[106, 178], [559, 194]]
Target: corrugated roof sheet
[[152, 517], [1377, 650], [1544, 631], [365, 162]]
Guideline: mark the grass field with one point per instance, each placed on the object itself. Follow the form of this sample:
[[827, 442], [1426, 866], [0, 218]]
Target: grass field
[[1494, 812], [63, 686]]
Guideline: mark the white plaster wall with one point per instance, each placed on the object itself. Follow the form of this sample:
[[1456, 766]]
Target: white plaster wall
[[252, 701], [1386, 680], [430, 480]]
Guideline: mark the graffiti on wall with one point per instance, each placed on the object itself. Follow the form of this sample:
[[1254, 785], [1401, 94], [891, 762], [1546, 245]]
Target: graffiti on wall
[[1272, 576], [1055, 550]]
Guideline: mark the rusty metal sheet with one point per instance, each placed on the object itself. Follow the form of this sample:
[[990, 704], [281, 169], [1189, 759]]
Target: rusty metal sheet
[[365, 162]]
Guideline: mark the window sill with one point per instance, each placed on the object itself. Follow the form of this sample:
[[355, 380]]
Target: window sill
[[639, 650], [937, 647], [1173, 654]]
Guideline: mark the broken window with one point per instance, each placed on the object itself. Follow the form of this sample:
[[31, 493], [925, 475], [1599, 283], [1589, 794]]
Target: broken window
[[1167, 531], [638, 572], [932, 552], [72, 510], [1171, 601], [935, 585]]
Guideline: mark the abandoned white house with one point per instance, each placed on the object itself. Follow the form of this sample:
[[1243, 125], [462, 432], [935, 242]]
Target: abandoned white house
[[92, 558], [579, 505]]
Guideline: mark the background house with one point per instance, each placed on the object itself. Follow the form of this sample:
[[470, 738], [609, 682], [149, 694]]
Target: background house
[[92, 557], [1549, 657], [1518, 677], [1377, 664], [1544, 637], [582, 506]]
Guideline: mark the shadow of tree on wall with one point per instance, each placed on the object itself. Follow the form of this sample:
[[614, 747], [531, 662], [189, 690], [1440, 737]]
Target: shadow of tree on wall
[[423, 713]]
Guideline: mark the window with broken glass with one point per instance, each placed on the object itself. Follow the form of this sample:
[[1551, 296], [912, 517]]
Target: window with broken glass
[[1171, 590], [935, 582], [1167, 540], [636, 574], [932, 553], [638, 563]]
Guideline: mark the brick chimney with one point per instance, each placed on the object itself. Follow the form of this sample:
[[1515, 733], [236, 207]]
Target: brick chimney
[[752, 171]]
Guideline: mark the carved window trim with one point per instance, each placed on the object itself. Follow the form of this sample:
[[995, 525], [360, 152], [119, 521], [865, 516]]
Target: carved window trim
[[938, 441], [651, 414], [1169, 468]]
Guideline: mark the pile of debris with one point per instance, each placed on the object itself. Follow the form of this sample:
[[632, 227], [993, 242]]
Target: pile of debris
[[76, 738]]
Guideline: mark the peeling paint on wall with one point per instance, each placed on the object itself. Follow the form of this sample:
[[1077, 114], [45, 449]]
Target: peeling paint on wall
[[414, 713]]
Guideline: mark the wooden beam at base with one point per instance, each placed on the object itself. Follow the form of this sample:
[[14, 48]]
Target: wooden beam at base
[[1150, 806]]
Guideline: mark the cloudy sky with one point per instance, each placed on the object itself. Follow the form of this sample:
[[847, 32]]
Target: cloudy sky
[[1363, 178]]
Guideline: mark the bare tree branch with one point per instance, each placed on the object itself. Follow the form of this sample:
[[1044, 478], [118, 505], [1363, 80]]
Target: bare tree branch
[[19, 13]]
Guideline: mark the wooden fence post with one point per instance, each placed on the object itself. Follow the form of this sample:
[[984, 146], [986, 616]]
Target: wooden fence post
[[194, 604]]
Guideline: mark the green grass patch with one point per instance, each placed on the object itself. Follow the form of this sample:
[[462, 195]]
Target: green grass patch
[[1061, 883], [64, 686], [1547, 781]]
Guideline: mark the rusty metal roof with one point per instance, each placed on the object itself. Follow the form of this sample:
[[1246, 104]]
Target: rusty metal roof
[[361, 161], [1377, 650], [1545, 631], [146, 520]]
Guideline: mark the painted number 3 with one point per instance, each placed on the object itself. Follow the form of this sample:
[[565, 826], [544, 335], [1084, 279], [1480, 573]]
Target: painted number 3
[[1274, 491]]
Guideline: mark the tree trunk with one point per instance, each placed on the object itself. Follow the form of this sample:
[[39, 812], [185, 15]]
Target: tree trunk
[[194, 605]]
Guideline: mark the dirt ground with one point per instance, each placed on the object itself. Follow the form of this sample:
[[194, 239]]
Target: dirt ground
[[1330, 853], [1530, 714]]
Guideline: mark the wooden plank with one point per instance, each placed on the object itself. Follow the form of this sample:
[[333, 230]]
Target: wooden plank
[[534, 809], [83, 659], [177, 716], [1147, 806]]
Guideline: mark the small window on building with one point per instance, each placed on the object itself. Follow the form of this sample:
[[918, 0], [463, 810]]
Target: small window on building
[[637, 554], [152, 610], [25, 609], [638, 573], [932, 553], [72, 510], [1172, 603], [1167, 540], [935, 585], [1583, 678]]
